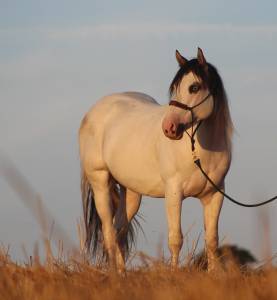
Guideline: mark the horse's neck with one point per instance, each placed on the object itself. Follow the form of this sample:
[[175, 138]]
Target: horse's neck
[[213, 135]]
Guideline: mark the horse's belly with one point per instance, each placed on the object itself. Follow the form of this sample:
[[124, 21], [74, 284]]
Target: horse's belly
[[142, 184], [137, 174], [135, 170], [133, 162]]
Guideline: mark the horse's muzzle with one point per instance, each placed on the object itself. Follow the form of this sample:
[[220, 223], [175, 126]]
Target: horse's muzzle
[[174, 132]]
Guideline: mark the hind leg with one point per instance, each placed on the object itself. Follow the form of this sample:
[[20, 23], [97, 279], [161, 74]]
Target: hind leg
[[99, 181], [128, 207]]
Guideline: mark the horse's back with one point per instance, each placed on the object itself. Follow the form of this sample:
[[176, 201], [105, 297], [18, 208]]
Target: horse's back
[[139, 97], [120, 108], [124, 101]]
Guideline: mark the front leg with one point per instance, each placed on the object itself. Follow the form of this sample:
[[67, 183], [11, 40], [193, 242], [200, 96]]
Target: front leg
[[173, 203], [212, 206]]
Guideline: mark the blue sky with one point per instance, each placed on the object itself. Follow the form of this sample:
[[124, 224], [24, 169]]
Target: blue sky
[[58, 57], [71, 13]]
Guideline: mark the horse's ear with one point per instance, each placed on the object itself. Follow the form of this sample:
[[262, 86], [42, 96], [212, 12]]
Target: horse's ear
[[201, 58], [181, 60]]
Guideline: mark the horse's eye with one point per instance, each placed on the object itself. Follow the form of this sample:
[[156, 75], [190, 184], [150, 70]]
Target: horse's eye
[[194, 88]]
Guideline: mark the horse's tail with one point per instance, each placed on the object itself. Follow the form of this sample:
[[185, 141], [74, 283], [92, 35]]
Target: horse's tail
[[126, 235], [94, 238], [92, 221]]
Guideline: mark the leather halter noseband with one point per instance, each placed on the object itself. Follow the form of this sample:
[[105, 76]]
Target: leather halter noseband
[[185, 106]]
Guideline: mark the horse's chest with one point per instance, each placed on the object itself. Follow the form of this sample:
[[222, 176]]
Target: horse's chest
[[194, 185], [197, 185]]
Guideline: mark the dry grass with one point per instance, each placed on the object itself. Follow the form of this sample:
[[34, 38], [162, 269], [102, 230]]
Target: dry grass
[[72, 279]]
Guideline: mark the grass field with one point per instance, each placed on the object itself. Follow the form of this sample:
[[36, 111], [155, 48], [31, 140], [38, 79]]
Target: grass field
[[73, 279]]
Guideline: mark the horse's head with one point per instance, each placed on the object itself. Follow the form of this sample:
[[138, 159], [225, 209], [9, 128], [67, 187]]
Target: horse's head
[[194, 90]]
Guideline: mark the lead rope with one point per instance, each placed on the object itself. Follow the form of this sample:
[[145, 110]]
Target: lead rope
[[197, 162]]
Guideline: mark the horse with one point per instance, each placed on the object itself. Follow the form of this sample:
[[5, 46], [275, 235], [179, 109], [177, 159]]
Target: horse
[[130, 146]]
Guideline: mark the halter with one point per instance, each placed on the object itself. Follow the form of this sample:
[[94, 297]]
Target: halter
[[193, 131], [185, 106], [196, 159]]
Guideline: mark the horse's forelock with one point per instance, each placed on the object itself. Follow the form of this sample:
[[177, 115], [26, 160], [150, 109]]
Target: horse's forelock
[[209, 77]]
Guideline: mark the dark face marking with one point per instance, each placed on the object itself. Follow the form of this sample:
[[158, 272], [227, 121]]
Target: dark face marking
[[194, 88]]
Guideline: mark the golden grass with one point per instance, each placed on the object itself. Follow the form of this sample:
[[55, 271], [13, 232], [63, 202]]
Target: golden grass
[[72, 279]]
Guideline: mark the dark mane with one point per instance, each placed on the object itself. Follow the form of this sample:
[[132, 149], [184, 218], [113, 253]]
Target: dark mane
[[212, 80]]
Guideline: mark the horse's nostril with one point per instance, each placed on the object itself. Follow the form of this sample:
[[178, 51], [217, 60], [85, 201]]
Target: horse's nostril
[[166, 131], [173, 128]]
